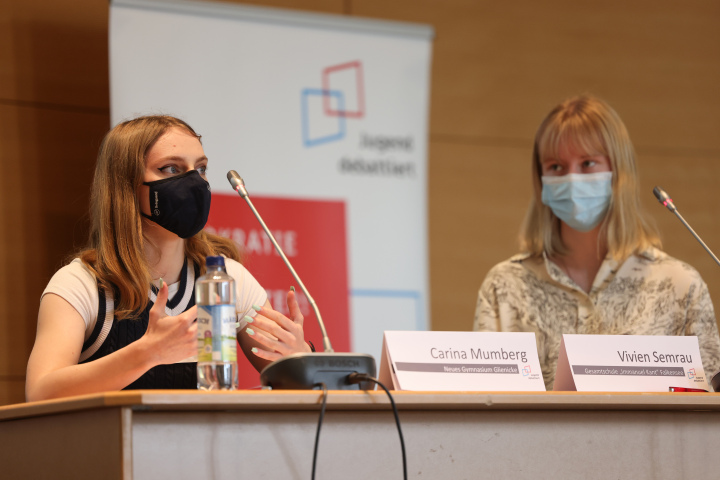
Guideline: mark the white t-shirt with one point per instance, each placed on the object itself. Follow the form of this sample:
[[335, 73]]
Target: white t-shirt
[[76, 284]]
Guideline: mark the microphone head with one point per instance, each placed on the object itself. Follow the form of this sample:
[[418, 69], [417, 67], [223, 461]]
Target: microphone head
[[660, 194], [664, 198], [237, 183], [235, 180]]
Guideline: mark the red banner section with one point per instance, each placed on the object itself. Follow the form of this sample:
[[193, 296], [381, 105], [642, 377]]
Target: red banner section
[[312, 235]]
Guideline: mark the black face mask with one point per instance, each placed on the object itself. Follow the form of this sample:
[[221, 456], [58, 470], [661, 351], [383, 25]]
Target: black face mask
[[180, 204]]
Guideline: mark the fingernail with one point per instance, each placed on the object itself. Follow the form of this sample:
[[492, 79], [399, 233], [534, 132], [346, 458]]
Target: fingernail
[[237, 324], [292, 288], [250, 331], [161, 281], [256, 308], [248, 319], [254, 350]]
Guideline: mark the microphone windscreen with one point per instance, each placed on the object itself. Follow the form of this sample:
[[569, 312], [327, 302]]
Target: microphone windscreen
[[664, 198], [235, 179], [660, 194]]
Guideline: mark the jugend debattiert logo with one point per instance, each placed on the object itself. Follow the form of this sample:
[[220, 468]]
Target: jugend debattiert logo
[[325, 109], [324, 113]]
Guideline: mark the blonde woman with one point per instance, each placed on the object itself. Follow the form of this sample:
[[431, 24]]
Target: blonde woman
[[591, 260], [122, 314]]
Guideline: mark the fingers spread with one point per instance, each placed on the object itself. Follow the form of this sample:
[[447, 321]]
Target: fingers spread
[[294, 308], [270, 335], [276, 317], [277, 332], [272, 356]]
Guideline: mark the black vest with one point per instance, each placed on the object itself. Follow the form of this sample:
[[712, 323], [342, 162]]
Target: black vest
[[110, 335]]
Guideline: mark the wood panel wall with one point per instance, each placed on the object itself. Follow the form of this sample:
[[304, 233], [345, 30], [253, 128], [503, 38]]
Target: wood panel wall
[[497, 69]]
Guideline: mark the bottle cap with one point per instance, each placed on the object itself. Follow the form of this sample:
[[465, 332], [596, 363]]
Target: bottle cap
[[215, 261]]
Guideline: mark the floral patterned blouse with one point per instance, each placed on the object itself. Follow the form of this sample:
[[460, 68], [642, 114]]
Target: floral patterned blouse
[[647, 294]]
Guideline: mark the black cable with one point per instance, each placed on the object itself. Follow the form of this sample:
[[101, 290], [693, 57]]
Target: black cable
[[354, 378], [320, 420]]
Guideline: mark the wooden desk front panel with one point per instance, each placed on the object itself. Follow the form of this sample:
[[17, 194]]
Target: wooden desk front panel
[[77, 445], [269, 435], [440, 444]]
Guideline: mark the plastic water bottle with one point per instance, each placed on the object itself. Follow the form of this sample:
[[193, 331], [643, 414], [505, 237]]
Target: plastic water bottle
[[217, 343]]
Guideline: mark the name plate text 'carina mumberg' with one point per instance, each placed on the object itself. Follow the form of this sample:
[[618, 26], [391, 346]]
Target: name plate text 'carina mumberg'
[[460, 361], [628, 363]]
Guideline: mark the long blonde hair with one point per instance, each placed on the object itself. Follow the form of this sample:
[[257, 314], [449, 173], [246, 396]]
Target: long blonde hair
[[592, 126], [115, 250]]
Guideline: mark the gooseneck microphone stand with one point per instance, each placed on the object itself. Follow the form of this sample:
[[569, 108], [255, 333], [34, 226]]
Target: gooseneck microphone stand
[[665, 199], [308, 370]]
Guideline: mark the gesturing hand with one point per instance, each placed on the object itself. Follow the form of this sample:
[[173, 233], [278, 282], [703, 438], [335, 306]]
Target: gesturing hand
[[170, 339], [280, 335]]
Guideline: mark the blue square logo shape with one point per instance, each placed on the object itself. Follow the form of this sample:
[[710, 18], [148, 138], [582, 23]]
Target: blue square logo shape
[[337, 95]]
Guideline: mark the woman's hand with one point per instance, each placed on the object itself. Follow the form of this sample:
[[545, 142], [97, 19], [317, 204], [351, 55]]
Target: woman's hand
[[170, 339], [277, 335], [53, 369]]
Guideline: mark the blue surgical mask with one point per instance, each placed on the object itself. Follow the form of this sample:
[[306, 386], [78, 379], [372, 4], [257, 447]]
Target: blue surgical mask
[[579, 200]]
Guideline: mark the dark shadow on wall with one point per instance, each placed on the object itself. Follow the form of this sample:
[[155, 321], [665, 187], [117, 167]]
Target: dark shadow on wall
[[62, 66], [58, 118]]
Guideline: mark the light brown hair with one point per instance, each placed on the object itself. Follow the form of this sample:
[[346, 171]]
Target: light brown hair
[[592, 126], [115, 249]]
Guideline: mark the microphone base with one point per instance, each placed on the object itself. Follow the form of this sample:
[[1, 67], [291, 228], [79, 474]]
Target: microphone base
[[304, 371]]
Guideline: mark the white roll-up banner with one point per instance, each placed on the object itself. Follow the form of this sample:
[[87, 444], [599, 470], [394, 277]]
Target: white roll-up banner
[[325, 117]]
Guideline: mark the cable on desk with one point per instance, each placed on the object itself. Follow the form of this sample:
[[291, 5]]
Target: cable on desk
[[320, 421], [364, 377]]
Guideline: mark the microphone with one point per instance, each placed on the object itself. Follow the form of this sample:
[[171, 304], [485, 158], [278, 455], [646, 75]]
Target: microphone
[[665, 199], [307, 370], [239, 185]]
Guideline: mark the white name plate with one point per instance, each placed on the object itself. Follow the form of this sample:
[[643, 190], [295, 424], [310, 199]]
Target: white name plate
[[628, 363], [460, 361]]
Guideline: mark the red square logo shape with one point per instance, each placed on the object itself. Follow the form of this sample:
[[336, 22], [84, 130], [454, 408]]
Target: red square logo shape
[[348, 79]]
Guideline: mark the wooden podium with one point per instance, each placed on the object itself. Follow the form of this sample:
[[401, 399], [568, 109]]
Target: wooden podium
[[256, 435]]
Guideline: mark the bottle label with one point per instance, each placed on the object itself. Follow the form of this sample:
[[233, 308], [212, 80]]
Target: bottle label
[[217, 340]]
